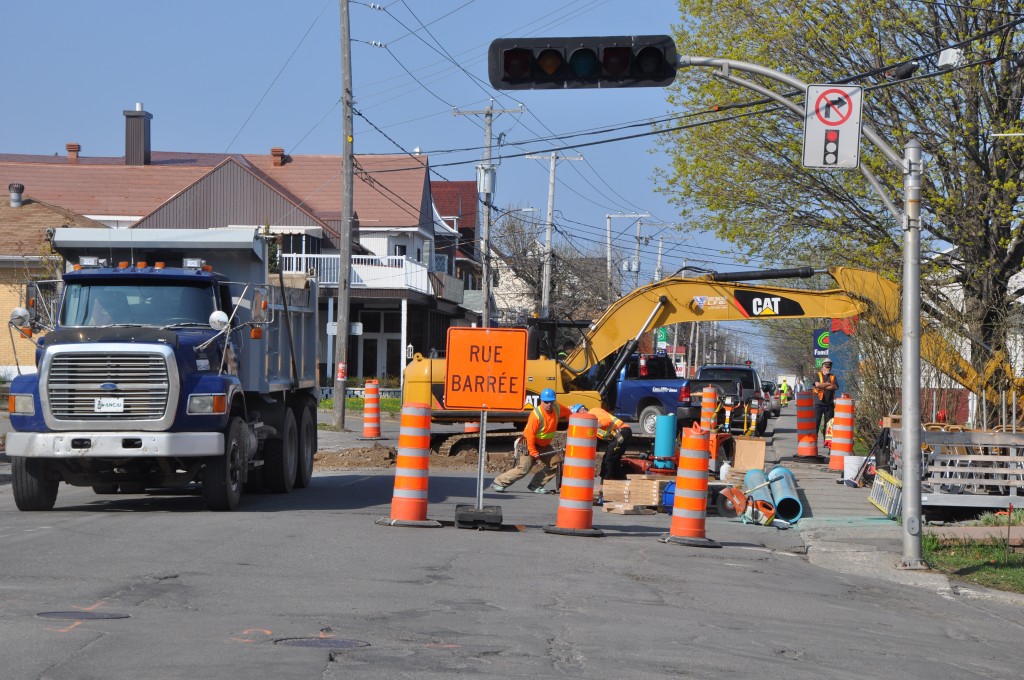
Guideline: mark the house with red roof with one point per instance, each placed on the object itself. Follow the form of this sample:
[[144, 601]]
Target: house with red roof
[[406, 285]]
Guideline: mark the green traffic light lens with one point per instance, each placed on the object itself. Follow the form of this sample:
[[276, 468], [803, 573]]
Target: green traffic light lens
[[584, 63], [550, 61]]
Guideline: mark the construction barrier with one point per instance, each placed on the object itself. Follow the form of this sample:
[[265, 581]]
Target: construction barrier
[[689, 505], [806, 437], [371, 410], [471, 428], [576, 497], [842, 433], [708, 407], [787, 502], [412, 470]]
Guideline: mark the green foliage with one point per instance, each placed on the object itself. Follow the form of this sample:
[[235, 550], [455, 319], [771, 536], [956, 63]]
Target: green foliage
[[737, 167]]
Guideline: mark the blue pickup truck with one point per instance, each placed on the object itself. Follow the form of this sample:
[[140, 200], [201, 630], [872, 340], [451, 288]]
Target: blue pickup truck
[[647, 387]]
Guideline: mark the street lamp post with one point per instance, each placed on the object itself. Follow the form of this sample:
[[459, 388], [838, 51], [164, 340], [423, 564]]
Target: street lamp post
[[910, 217]]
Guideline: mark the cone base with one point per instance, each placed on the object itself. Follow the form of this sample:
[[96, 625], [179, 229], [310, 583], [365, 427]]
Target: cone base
[[552, 529], [388, 522], [364, 439], [686, 540]]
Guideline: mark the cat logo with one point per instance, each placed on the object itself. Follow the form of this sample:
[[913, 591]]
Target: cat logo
[[767, 306], [762, 303]]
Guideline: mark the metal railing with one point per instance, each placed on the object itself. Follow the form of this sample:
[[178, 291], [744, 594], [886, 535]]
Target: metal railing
[[367, 271]]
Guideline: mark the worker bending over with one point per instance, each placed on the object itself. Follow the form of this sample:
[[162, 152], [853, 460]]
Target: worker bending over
[[616, 436], [537, 435]]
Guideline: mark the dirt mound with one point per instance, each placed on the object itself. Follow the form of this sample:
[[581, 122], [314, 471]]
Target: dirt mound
[[384, 457]]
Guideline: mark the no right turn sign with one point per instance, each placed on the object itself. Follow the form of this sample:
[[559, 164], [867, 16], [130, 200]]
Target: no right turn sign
[[832, 126]]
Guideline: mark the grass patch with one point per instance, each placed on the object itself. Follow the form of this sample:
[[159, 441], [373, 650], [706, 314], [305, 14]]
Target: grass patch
[[355, 405], [987, 563]]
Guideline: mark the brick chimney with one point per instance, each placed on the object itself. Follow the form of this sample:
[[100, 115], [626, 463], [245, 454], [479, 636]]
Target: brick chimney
[[136, 136], [73, 150], [17, 191], [278, 155]]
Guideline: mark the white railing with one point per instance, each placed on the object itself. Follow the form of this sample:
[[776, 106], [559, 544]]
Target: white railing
[[367, 271]]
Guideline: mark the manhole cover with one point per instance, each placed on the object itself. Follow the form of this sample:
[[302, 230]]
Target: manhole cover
[[82, 616], [330, 643]]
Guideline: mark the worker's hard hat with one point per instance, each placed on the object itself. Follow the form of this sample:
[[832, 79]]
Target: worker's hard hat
[[547, 394], [576, 408]]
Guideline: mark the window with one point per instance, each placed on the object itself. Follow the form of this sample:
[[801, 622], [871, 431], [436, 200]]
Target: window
[[400, 251]]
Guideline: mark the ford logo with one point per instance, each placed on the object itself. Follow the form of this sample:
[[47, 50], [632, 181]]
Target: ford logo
[[108, 386]]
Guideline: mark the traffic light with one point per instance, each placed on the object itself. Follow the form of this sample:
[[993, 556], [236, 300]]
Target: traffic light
[[561, 63], [831, 153]]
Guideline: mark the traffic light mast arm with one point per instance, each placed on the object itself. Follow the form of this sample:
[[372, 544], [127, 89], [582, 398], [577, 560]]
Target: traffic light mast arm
[[727, 65], [910, 217]]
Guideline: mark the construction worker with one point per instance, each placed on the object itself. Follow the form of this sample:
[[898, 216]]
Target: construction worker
[[784, 390], [616, 435], [824, 397], [537, 435]]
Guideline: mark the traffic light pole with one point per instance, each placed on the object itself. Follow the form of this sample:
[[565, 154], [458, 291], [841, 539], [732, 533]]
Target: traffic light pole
[[910, 217]]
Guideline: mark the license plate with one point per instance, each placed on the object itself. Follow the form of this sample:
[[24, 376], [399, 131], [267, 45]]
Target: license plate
[[109, 405]]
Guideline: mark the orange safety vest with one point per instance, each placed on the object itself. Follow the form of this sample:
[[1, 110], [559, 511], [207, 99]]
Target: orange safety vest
[[819, 392], [540, 428], [607, 424]]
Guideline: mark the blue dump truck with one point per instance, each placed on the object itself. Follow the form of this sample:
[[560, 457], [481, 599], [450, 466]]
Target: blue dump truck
[[165, 358]]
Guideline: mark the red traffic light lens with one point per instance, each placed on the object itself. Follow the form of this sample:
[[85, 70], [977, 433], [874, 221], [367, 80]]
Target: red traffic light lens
[[616, 60], [831, 135], [516, 63], [583, 63]]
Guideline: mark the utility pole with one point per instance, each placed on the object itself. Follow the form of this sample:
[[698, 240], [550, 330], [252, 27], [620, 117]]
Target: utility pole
[[608, 234], [486, 179], [657, 270], [545, 286], [345, 235]]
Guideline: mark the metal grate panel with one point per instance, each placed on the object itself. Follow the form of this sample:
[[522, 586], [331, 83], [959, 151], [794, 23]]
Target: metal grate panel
[[76, 380]]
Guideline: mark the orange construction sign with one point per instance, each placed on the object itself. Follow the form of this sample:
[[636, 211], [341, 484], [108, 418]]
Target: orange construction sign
[[485, 369]]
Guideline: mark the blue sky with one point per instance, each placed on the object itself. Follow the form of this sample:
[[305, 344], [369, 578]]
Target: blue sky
[[245, 76]]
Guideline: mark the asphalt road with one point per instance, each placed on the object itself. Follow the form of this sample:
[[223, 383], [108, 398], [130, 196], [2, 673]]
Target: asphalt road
[[228, 595]]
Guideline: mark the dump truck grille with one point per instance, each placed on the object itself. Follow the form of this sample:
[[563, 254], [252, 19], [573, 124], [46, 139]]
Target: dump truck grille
[[105, 386]]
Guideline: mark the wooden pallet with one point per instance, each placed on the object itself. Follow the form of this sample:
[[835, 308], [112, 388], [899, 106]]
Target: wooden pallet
[[629, 509]]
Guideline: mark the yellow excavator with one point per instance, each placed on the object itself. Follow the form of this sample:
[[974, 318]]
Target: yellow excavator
[[713, 297]]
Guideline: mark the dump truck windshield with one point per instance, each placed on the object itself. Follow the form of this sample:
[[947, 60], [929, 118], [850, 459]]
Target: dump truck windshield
[[106, 304]]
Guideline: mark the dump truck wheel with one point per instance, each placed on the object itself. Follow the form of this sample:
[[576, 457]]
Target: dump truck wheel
[[222, 476], [33, 490], [281, 456], [307, 446]]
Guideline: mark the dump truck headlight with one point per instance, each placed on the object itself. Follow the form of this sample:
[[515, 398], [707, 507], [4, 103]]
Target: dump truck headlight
[[207, 404], [21, 404]]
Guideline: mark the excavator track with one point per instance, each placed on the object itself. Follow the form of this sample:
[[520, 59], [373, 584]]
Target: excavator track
[[451, 444]]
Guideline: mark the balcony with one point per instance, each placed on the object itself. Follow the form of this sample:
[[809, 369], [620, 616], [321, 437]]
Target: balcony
[[367, 271], [447, 287]]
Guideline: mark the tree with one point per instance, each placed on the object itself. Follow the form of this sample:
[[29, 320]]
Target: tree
[[744, 171], [578, 279]]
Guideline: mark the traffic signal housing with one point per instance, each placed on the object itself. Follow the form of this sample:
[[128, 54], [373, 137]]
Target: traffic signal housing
[[563, 63]]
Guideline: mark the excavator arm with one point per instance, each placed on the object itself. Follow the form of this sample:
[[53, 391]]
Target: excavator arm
[[678, 300]]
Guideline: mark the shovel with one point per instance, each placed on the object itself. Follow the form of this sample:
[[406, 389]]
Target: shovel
[[732, 502]]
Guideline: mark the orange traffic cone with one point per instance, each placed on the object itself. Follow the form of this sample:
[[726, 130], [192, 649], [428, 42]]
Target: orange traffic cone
[[708, 406], [806, 437], [689, 505], [371, 410], [412, 470], [842, 434], [473, 428], [576, 498]]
